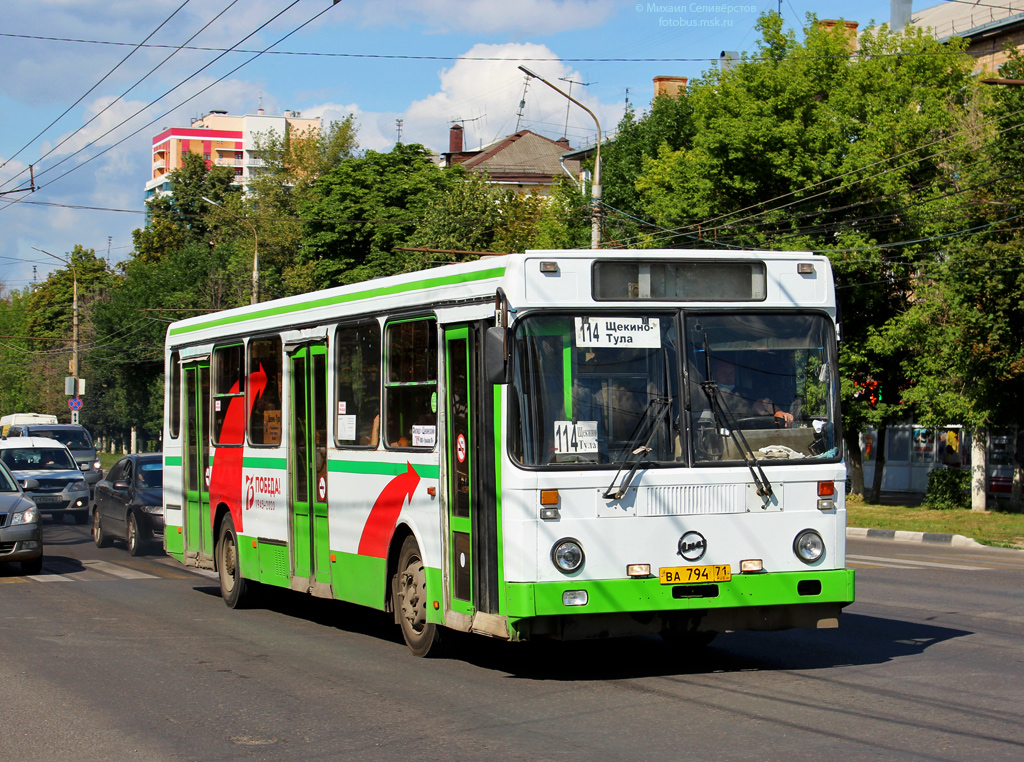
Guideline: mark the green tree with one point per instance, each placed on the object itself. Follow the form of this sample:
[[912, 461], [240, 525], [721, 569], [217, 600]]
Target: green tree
[[359, 212], [808, 146]]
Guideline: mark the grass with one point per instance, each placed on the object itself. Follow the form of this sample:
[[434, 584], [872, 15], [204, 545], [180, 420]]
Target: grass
[[993, 527]]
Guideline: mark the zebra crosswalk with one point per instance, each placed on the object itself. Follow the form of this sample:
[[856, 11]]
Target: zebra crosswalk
[[62, 569]]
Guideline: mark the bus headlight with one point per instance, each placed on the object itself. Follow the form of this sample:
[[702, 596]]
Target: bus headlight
[[567, 555], [809, 546]]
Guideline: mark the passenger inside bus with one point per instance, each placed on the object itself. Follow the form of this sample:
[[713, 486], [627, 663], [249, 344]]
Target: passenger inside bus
[[740, 399]]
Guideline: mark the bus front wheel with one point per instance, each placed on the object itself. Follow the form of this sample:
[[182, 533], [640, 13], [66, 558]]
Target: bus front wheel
[[409, 590], [234, 588]]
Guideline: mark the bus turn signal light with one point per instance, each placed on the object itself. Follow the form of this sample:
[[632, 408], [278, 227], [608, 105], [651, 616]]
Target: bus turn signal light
[[549, 497], [826, 489], [638, 570]]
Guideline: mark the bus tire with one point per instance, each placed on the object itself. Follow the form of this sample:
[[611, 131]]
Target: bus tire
[[409, 590], [234, 588]]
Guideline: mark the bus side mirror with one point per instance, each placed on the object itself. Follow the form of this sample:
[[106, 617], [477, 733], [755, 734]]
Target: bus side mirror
[[495, 361]]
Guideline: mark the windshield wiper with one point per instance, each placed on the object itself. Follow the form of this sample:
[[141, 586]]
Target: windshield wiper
[[724, 419], [648, 424]]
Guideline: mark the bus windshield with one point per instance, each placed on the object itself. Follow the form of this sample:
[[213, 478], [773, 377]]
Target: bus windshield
[[761, 383], [600, 389], [587, 386]]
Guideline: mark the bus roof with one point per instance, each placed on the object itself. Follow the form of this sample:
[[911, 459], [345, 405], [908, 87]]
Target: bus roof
[[477, 281]]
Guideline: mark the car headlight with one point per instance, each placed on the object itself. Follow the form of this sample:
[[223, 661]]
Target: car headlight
[[78, 486], [809, 546], [157, 509], [27, 516], [567, 555], [96, 465]]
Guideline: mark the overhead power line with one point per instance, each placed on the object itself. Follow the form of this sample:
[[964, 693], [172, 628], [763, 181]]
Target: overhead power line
[[100, 82]]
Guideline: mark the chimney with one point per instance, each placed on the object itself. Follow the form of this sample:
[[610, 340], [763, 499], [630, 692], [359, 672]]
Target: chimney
[[455, 139], [673, 87], [287, 114], [899, 14], [259, 112], [850, 27], [564, 142]]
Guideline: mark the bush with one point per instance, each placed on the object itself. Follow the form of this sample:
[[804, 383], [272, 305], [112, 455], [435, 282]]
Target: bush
[[948, 488]]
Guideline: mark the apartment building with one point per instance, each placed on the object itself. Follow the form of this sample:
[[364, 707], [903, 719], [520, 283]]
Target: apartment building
[[223, 140]]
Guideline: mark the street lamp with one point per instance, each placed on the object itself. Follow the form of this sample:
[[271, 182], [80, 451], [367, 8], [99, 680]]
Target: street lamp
[[255, 250], [595, 187]]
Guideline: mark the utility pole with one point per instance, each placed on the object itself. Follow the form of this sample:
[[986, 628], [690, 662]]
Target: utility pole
[[76, 385]]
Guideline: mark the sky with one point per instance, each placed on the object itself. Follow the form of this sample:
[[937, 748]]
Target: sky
[[81, 96]]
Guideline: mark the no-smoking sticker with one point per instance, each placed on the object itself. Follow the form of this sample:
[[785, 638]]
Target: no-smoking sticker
[[460, 448], [321, 488]]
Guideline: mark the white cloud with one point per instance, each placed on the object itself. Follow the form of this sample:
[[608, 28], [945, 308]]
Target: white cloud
[[485, 96]]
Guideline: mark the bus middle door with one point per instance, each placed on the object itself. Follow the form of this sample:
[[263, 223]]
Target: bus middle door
[[308, 464], [198, 527]]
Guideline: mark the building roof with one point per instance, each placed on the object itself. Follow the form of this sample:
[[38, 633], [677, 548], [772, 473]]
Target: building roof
[[968, 18], [523, 156]]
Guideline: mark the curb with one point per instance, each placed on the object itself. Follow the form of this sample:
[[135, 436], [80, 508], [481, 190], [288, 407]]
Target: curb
[[955, 540]]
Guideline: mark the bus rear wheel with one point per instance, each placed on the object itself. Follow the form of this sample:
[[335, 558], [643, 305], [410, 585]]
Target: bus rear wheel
[[234, 588], [409, 591]]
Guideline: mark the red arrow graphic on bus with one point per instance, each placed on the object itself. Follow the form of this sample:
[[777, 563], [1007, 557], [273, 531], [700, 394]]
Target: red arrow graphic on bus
[[380, 524], [226, 474], [257, 383]]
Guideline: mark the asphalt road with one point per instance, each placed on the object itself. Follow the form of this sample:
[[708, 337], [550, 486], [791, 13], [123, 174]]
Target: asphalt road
[[106, 657]]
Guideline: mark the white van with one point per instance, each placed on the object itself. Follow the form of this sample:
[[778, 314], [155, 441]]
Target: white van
[[9, 420]]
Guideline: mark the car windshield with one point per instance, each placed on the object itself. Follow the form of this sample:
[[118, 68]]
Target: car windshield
[[150, 475], [769, 377], [37, 459], [75, 439], [6, 483], [586, 385]]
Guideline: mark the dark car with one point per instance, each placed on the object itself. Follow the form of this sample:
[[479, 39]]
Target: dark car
[[129, 503], [20, 536]]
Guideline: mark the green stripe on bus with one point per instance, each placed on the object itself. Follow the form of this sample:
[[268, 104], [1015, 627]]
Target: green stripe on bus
[[328, 301], [279, 464], [172, 460], [385, 469], [640, 595]]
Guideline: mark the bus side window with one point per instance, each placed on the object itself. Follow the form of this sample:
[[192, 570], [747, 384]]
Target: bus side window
[[228, 392], [357, 384], [265, 409], [411, 383]]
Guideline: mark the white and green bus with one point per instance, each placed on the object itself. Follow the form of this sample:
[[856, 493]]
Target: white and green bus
[[564, 444]]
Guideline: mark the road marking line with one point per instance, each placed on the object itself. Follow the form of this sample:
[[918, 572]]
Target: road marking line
[[118, 571], [50, 578], [910, 563]]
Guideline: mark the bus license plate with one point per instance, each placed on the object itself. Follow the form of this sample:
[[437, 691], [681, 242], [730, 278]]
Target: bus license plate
[[684, 575]]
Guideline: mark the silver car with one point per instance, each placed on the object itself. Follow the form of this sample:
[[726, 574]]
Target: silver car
[[59, 487], [20, 537]]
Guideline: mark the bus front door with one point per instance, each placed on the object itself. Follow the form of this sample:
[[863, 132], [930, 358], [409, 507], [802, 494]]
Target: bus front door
[[308, 464], [460, 469], [198, 528]]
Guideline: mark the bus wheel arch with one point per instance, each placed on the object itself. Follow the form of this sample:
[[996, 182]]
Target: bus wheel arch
[[410, 600], [235, 589]]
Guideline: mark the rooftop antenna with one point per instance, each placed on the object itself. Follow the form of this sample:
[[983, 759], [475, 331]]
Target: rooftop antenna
[[522, 101], [398, 127], [627, 98], [568, 103]]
